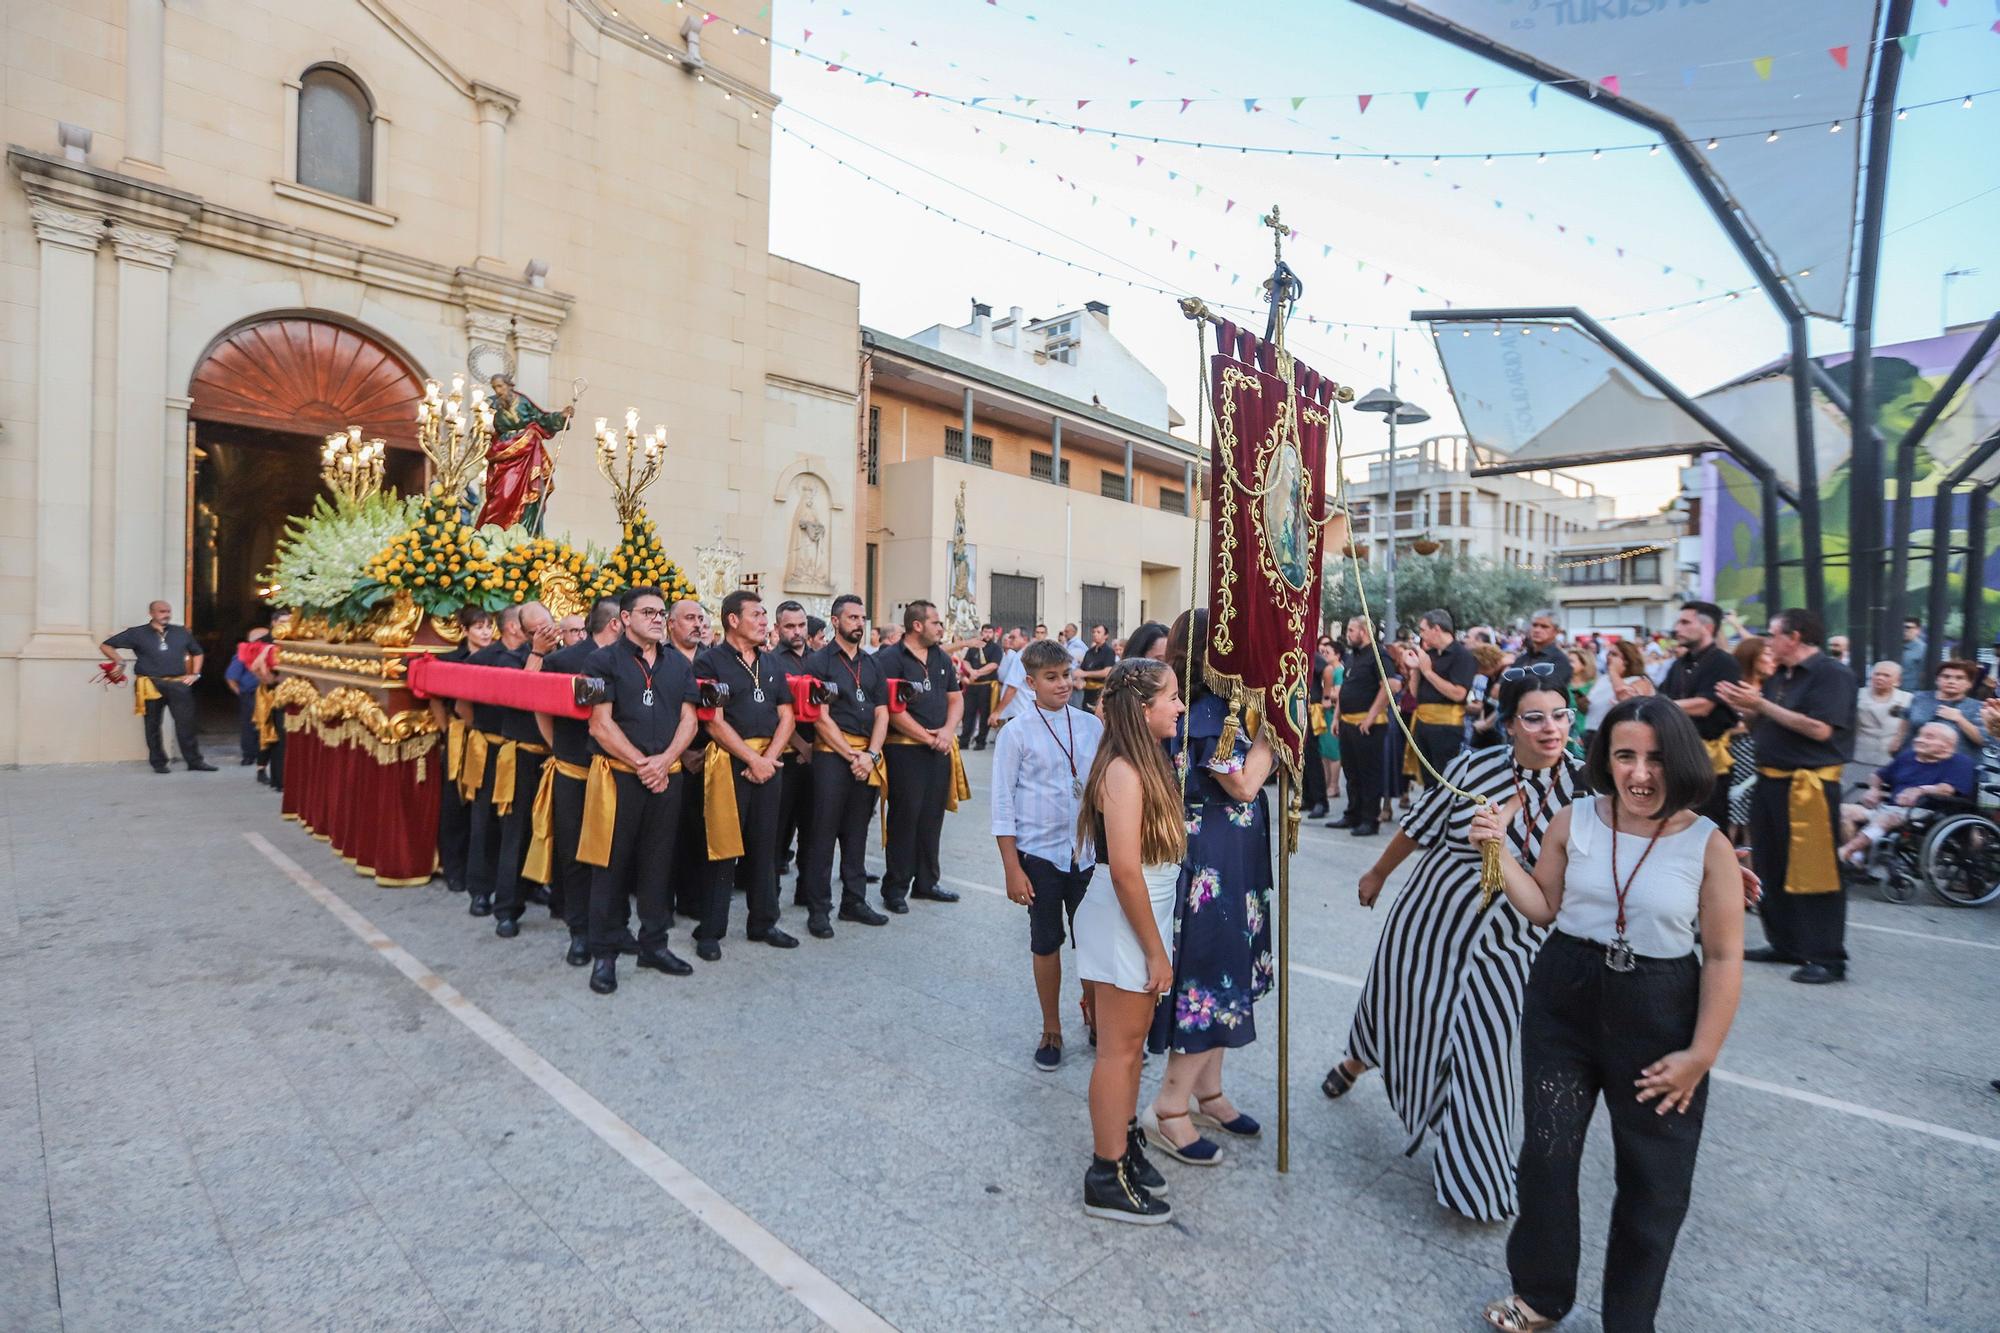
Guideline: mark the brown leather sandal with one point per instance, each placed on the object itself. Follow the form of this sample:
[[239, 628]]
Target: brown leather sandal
[[1510, 1316]]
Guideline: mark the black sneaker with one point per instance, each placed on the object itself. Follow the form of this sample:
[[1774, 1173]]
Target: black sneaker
[[1048, 1055], [1110, 1194], [1137, 1165]]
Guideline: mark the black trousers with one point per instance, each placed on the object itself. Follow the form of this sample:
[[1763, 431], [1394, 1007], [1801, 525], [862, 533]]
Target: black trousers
[[978, 709], [273, 754], [246, 725], [1440, 745], [571, 889], [454, 835], [1811, 927], [795, 810], [841, 811], [1587, 1032], [642, 849], [918, 776], [1312, 784], [690, 868], [756, 871], [517, 830], [179, 700], [482, 836], [1361, 766]]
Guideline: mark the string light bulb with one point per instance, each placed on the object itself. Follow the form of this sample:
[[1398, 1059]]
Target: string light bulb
[[1772, 137], [1711, 145], [1833, 128], [1966, 105], [1654, 151], [1902, 113]]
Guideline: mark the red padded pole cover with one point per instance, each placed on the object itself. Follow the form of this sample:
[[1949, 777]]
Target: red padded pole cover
[[536, 691]]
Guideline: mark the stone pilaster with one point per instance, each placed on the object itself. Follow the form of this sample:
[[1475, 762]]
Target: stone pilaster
[[141, 443]]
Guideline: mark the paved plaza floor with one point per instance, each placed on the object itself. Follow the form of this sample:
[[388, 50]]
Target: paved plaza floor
[[243, 1088]]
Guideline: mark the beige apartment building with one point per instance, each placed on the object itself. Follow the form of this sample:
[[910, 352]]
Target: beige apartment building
[[228, 229], [1073, 511]]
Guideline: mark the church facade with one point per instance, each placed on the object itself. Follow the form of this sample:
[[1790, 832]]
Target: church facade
[[228, 230]]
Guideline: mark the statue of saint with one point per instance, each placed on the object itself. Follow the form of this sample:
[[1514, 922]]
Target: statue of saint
[[961, 609], [520, 469], [809, 565]]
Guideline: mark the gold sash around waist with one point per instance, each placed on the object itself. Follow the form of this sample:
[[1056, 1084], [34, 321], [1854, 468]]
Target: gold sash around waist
[[877, 777], [539, 865], [1718, 754], [1809, 863], [264, 716], [1316, 718], [454, 749], [144, 691], [600, 807], [1353, 719], [959, 790], [1440, 715], [472, 766], [718, 801], [506, 774]]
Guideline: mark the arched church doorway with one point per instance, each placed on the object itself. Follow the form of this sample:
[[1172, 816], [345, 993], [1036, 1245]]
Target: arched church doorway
[[265, 396]]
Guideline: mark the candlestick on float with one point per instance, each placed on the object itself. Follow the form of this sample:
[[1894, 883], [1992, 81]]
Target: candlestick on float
[[642, 458], [455, 432], [350, 466]]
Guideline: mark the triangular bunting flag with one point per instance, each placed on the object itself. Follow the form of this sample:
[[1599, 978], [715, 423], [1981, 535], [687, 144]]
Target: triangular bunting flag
[[809, 34], [1535, 95], [1762, 64], [1325, 250], [1385, 283], [1839, 54], [1610, 83], [975, 101], [1198, 189], [1172, 245], [1082, 102], [1364, 99], [1470, 93], [1908, 41], [1131, 60], [1173, 175], [1298, 102], [1422, 97], [1250, 104], [1185, 101], [1138, 160], [1229, 205], [1136, 101]]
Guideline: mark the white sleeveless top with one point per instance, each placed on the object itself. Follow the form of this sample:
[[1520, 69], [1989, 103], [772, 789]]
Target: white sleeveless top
[[1664, 902]]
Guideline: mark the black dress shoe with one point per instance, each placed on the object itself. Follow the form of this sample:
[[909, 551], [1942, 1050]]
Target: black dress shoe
[[934, 894], [1317, 812], [819, 928], [1345, 821], [245, 763], [862, 914], [507, 927], [896, 906], [708, 951], [161, 768], [667, 961], [776, 938], [201, 766], [263, 778], [604, 976], [1365, 830], [871, 877], [579, 951], [1764, 953], [481, 905], [1820, 974], [539, 895]]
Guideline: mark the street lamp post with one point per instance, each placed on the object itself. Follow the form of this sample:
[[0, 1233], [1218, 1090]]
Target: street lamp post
[[1398, 413]]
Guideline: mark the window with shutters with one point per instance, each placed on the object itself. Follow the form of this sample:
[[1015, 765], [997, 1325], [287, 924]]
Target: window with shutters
[[1465, 509], [1016, 601], [1172, 500], [1041, 466], [874, 457], [1111, 485], [954, 447], [1100, 607]]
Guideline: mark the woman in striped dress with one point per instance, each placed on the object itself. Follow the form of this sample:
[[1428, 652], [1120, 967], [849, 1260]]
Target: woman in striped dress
[[1442, 1003]]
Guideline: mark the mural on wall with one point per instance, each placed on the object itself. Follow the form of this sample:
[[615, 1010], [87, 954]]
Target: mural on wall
[[1906, 375]]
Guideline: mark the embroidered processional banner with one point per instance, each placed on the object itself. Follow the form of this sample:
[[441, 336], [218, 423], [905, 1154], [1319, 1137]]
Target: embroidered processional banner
[[1268, 526]]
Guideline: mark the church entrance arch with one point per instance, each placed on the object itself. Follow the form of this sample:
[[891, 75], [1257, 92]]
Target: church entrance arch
[[264, 397]]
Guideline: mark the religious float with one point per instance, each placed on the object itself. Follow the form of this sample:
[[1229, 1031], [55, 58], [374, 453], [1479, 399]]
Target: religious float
[[374, 581]]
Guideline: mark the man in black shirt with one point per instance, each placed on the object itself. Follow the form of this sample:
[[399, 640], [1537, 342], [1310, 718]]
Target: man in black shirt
[[1543, 633], [637, 736], [1098, 659], [983, 661], [847, 751], [1443, 669], [688, 634], [741, 785], [921, 761], [167, 660], [1364, 702], [483, 741], [1802, 723], [553, 855], [1312, 783], [522, 753], [795, 765], [454, 812], [1691, 682]]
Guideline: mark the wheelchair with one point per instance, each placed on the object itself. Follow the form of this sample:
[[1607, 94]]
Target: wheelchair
[[1949, 847]]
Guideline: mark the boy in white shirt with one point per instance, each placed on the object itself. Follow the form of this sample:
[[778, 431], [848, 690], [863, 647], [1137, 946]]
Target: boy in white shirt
[[1040, 764]]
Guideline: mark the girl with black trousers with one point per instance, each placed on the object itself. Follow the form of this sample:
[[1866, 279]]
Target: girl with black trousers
[[1619, 1006]]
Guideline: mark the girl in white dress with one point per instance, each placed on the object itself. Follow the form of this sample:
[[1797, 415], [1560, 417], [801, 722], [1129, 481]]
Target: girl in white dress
[[1132, 810]]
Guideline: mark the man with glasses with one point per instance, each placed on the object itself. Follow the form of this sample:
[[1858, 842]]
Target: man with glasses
[[1691, 682], [1443, 669], [1363, 702], [1802, 723]]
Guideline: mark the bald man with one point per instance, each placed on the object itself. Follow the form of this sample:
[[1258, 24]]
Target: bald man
[[167, 660], [513, 891]]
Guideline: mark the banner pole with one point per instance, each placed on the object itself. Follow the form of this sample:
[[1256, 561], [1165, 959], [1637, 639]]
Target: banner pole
[[1284, 970]]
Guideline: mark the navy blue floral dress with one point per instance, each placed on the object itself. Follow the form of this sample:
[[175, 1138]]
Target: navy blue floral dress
[[1222, 911]]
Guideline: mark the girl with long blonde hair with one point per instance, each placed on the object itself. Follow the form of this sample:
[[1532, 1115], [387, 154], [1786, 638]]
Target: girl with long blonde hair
[[1132, 811]]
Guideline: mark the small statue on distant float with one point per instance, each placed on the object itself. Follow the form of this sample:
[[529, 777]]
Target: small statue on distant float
[[520, 468]]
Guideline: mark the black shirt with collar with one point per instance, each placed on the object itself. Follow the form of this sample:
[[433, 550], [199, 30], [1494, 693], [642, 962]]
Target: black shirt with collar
[[649, 726], [991, 652], [1454, 662], [747, 714], [572, 734], [1096, 658], [1361, 681], [161, 652], [492, 718], [1553, 654], [925, 696], [795, 664], [847, 679], [1695, 676], [1820, 688]]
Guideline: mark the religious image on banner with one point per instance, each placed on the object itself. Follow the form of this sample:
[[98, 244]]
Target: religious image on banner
[[1268, 457]]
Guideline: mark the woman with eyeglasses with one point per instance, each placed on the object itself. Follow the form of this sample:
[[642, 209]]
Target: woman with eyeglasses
[[1442, 1001]]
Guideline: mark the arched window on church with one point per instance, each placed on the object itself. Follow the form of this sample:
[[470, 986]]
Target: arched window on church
[[336, 151]]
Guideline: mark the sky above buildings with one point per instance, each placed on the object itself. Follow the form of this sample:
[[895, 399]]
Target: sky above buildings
[[931, 201]]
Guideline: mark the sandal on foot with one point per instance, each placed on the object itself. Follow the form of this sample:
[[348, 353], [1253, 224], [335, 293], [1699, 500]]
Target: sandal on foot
[[1242, 1126], [1202, 1152], [1510, 1316], [1338, 1082]]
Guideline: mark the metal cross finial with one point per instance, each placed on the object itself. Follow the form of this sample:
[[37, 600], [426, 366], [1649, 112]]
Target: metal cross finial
[[1283, 287], [1279, 231]]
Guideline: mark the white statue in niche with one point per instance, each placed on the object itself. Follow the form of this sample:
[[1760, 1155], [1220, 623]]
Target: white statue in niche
[[809, 560]]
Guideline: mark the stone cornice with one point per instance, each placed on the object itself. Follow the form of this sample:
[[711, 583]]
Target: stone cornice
[[61, 186], [838, 395]]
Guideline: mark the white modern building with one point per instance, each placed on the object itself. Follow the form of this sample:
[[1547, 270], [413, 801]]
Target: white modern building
[[1628, 575]]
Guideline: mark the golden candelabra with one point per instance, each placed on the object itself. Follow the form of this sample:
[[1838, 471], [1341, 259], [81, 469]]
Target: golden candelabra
[[350, 466], [455, 431], [630, 461]]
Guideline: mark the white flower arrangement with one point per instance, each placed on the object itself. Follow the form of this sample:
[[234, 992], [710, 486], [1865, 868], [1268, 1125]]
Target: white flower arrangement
[[325, 554]]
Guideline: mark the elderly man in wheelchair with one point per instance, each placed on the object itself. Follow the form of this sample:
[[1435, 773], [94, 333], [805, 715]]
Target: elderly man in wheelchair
[[1930, 776]]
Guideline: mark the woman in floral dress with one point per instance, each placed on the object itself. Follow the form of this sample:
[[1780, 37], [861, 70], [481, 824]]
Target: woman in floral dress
[[1222, 923]]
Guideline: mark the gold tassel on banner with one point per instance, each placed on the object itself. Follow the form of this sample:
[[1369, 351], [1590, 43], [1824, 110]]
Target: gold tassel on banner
[[1491, 881]]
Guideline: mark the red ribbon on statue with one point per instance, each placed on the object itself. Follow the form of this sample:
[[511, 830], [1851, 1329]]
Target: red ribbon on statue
[[1267, 523]]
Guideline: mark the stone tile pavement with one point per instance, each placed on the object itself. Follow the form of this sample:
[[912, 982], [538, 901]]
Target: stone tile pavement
[[220, 1109]]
